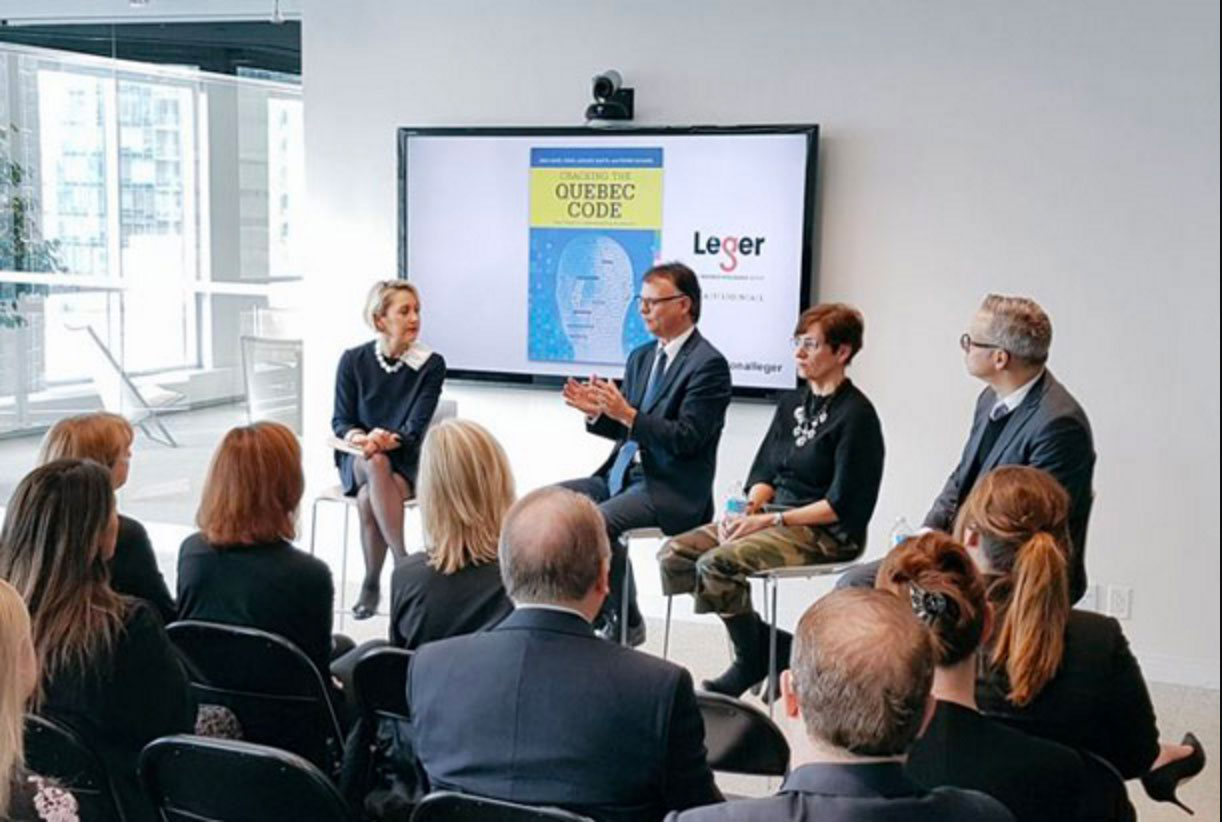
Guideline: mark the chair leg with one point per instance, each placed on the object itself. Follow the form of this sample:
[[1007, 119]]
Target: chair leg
[[314, 524], [165, 431], [670, 603], [769, 687], [343, 574], [623, 622]]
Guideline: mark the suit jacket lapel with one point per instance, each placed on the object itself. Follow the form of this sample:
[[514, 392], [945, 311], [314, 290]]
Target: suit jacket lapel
[[1021, 416], [672, 369]]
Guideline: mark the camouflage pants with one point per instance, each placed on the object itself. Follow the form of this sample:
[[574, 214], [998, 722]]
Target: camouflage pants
[[715, 573]]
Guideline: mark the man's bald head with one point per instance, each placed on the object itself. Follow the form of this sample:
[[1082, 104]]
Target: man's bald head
[[862, 668], [553, 547]]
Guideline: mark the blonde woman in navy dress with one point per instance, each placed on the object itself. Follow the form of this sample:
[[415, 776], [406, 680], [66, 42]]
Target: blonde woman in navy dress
[[385, 394]]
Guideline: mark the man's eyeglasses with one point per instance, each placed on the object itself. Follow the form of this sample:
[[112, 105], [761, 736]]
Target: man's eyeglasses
[[647, 303], [967, 344], [808, 344]]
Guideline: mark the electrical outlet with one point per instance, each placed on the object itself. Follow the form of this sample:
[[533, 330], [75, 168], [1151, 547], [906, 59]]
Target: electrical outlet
[[1090, 599], [1120, 601]]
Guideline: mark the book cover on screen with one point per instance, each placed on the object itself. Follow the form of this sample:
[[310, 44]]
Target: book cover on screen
[[595, 229]]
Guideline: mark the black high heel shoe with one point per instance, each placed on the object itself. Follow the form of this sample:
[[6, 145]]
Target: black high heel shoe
[[367, 605], [1162, 783]]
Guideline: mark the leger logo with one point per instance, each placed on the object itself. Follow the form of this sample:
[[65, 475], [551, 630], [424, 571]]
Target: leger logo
[[730, 246]]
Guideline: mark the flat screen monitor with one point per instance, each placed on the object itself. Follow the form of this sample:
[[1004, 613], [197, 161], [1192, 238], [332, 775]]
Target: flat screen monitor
[[529, 245]]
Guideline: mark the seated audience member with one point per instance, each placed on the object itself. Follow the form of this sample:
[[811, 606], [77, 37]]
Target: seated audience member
[[1064, 674], [241, 568], [819, 468], [860, 680], [24, 796], [1036, 779], [108, 669], [538, 710], [464, 486], [107, 439]]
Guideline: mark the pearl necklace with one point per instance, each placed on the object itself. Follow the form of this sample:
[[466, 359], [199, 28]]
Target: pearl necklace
[[386, 366]]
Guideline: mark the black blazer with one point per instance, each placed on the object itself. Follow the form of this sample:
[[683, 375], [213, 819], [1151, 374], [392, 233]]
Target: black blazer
[[539, 710], [1097, 700], [274, 588], [119, 704], [427, 605], [1038, 780], [874, 792], [1050, 431], [678, 432], [133, 570]]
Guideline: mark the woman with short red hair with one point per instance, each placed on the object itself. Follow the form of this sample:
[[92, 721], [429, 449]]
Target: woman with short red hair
[[241, 568]]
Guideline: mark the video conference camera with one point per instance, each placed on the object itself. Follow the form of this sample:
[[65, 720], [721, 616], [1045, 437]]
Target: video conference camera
[[612, 102]]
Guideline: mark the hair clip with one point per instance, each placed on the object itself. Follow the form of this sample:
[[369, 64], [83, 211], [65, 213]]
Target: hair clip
[[929, 605]]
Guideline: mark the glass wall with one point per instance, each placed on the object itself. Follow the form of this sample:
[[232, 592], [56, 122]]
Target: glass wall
[[158, 208]]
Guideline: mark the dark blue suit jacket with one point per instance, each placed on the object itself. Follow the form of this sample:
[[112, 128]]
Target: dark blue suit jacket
[[678, 432], [1050, 431], [876, 792], [538, 710]]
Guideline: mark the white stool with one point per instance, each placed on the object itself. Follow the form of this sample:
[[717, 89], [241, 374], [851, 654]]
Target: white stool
[[335, 495], [446, 409], [627, 537]]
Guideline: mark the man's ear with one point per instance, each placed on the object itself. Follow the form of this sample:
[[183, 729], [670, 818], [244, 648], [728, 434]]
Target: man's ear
[[789, 696]]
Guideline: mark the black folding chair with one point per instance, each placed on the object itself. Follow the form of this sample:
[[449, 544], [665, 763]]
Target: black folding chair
[[54, 750], [446, 806], [200, 779], [278, 696], [379, 681], [741, 738], [380, 770]]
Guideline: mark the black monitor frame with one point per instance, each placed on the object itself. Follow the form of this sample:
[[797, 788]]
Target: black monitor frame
[[508, 378]]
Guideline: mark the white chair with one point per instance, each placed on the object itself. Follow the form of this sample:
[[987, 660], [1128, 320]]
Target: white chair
[[272, 372], [446, 409], [141, 404]]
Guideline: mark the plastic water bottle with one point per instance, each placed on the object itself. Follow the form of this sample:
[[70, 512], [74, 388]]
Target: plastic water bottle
[[735, 504], [900, 531]]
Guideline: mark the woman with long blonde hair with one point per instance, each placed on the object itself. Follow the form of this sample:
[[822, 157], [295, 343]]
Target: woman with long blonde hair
[[241, 567], [1062, 673], [454, 587], [108, 669], [107, 439]]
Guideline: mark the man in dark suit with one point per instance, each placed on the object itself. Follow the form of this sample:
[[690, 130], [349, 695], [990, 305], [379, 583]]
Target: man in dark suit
[[666, 422], [538, 710], [860, 679], [1023, 417]]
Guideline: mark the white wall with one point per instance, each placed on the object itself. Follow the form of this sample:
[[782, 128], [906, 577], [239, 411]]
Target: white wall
[[1066, 151]]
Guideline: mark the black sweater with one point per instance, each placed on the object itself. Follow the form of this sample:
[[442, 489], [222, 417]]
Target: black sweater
[[272, 587], [842, 463]]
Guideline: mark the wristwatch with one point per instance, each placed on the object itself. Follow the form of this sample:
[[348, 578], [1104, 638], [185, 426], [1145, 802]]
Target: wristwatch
[[778, 519]]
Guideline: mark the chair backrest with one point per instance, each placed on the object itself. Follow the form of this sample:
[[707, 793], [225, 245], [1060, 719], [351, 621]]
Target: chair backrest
[[446, 806], [272, 372], [379, 680], [740, 738], [54, 750], [446, 410], [275, 691], [198, 779]]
